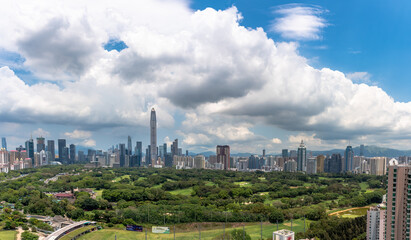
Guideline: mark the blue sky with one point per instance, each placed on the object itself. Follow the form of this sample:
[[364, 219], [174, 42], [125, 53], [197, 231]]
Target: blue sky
[[362, 36], [328, 72]]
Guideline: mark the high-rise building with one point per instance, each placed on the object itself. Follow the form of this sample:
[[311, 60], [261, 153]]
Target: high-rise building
[[122, 148], [174, 148], [311, 165], [378, 165], [3, 143], [30, 150], [263, 152], [223, 156], [50, 149], [199, 161], [138, 151], [290, 166], [129, 146], [153, 136], [61, 145], [72, 153], [335, 164], [376, 224], [348, 159], [283, 235], [320, 163], [362, 150], [41, 144], [65, 158], [302, 157], [81, 156], [284, 153], [398, 202]]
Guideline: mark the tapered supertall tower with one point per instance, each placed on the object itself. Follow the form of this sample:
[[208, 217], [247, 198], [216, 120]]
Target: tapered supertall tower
[[153, 136]]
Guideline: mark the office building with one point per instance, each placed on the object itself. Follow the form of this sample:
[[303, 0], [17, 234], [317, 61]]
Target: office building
[[362, 148], [153, 136], [284, 153], [398, 202], [302, 157], [3, 143], [41, 144], [30, 150], [50, 149], [138, 151], [129, 146], [290, 166], [311, 165], [199, 161], [61, 145], [348, 159], [376, 223], [320, 163], [122, 152], [72, 153], [223, 156], [378, 165]]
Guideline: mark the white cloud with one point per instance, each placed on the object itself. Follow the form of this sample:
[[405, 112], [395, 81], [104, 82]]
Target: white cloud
[[78, 134], [41, 133], [276, 141], [362, 77], [297, 21], [88, 143], [224, 77]]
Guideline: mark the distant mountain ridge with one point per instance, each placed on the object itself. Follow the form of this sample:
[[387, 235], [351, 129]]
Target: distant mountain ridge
[[369, 151]]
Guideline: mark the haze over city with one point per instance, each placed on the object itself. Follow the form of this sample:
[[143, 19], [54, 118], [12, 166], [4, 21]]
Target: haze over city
[[91, 72]]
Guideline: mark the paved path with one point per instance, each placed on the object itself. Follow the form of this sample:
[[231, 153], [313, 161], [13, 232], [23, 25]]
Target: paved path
[[19, 232]]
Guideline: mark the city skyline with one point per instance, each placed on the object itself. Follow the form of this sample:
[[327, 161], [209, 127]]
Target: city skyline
[[271, 81]]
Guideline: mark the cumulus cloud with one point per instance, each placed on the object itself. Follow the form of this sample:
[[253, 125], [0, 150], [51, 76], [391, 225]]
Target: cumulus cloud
[[78, 134], [298, 21], [39, 132], [276, 141], [223, 78]]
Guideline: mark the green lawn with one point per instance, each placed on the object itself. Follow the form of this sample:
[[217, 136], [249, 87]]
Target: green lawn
[[76, 232], [99, 193], [243, 184], [253, 230], [209, 183], [8, 235], [364, 186], [121, 178], [185, 191]]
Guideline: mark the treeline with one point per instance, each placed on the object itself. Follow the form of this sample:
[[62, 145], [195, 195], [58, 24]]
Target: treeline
[[334, 228]]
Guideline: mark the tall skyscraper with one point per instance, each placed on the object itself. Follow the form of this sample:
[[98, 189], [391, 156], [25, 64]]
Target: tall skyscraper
[[362, 150], [50, 149], [348, 159], [333, 164], [61, 145], [320, 163], [223, 156], [3, 143], [174, 148], [139, 152], [302, 157], [398, 202], [165, 149], [40, 144], [284, 153], [30, 150], [153, 136], [122, 154], [72, 153], [129, 146]]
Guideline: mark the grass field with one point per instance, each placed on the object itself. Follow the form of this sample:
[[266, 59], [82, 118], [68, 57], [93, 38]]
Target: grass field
[[353, 213], [120, 178], [243, 184], [99, 193], [209, 183], [253, 230], [8, 235], [185, 192], [364, 186]]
